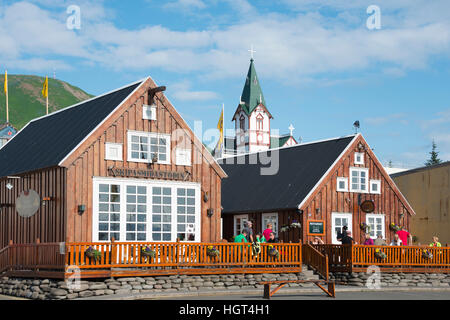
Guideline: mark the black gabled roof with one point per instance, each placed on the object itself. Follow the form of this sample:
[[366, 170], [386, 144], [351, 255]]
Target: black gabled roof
[[300, 168], [46, 141]]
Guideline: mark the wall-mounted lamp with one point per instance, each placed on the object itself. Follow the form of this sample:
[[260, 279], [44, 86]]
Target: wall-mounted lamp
[[205, 196], [81, 209], [317, 210], [299, 211], [9, 186], [45, 200], [210, 212]]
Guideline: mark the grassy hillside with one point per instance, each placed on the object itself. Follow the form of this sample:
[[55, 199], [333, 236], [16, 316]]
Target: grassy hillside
[[26, 101]]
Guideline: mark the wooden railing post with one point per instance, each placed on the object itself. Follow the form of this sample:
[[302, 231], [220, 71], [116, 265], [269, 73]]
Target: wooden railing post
[[36, 268], [10, 255], [113, 257]]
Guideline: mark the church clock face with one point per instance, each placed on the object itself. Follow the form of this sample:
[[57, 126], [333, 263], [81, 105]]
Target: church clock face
[[259, 138]]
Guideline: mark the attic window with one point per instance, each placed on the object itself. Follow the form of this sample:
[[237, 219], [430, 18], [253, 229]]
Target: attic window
[[113, 151], [342, 184], [149, 112], [359, 158]]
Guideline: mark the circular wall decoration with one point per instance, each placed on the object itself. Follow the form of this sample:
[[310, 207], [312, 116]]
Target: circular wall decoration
[[368, 206], [28, 203]]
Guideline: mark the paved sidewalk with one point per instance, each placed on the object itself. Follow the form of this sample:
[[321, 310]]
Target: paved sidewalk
[[258, 293]]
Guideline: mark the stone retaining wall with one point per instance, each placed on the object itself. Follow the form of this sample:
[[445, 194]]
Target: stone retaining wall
[[45, 289], [394, 279]]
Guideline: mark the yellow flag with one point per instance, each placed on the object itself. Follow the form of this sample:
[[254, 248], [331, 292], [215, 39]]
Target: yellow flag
[[220, 127], [6, 81], [45, 88]]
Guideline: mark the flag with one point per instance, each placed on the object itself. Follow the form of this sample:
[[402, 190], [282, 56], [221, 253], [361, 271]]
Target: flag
[[220, 127], [6, 81], [45, 88]]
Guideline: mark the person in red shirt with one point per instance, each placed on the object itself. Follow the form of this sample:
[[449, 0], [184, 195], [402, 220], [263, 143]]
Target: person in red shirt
[[404, 235]]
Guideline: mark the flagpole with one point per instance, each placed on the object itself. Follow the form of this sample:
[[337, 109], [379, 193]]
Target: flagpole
[[47, 103], [223, 130], [6, 89]]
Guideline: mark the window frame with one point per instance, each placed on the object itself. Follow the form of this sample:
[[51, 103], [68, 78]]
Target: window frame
[[359, 190], [152, 109], [179, 157], [264, 225], [124, 183], [361, 154], [112, 144], [383, 223], [344, 179], [149, 135], [378, 183]]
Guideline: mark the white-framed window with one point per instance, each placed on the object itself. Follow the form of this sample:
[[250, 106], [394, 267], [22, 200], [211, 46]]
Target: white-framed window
[[377, 225], [149, 112], [338, 221], [144, 146], [375, 186], [183, 157], [136, 210], [113, 151], [342, 184], [272, 218], [239, 223], [359, 180], [359, 158]]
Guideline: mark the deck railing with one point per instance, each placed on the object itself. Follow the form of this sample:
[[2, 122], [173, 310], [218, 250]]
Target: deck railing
[[315, 259], [181, 255], [348, 258]]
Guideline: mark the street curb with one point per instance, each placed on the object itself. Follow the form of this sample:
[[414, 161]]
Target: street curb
[[287, 291]]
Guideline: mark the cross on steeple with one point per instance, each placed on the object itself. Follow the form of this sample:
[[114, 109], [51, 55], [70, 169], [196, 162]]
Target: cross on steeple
[[251, 51], [291, 129]]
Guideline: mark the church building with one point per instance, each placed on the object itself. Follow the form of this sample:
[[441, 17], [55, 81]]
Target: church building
[[252, 123]]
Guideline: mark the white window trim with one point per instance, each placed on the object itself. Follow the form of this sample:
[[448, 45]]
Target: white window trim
[[148, 135], [145, 113], [362, 157], [367, 180], [340, 215], [111, 144], [383, 230], [378, 182], [345, 180], [178, 158], [264, 227], [149, 184], [241, 216]]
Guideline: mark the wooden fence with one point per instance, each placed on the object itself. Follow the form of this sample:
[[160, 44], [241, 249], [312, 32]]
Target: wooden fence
[[127, 258], [356, 258], [316, 260]]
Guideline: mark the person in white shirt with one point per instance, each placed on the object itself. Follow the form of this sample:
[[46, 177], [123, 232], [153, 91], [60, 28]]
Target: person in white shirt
[[396, 241]]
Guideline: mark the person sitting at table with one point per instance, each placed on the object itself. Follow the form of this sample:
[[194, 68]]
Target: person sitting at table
[[242, 237], [260, 238], [435, 242], [379, 241], [272, 238], [396, 241], [369, 240], [266, 233], [317, 240]]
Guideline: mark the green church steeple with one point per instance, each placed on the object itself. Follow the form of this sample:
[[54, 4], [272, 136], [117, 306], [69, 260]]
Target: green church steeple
[[252, 94]]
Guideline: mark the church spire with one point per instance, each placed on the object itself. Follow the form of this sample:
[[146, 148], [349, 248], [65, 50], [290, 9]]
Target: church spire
[[252, 94]]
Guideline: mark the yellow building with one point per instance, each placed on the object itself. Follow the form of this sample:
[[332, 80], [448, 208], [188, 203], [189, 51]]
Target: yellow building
[[427, 189]]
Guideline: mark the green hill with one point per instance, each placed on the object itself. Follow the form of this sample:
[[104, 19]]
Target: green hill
[[26, 101]]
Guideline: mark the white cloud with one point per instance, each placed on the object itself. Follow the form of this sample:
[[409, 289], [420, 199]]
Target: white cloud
[[181, 91], [185, 4], [397, 118]]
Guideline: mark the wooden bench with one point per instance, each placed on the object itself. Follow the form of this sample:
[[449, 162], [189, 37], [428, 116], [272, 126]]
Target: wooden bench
[[267, 293]]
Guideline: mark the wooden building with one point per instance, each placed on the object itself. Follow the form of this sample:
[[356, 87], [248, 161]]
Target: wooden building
[[428, 191], [322, 185], [124, 165]]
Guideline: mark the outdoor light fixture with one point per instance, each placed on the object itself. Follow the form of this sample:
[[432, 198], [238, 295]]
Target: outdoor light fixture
[[299, 211], [210, 212], [45, 200], [9, 186], [205, 196], [317, 210], [81, 209]]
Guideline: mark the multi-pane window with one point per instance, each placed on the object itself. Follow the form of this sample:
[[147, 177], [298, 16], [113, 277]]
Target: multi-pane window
[[162, 214], [146, 147], [136, 226], [375, 186], [186, 214], [239, 223], [359, 180], [376, 223], [131, 210], [108, 212]]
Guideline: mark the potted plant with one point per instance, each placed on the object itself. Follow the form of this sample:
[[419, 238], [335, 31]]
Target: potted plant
[[273, 252], [147, 252], [212, 251], [365, 227], [92, 253], [395, 227], [427, 254], [380, 254]]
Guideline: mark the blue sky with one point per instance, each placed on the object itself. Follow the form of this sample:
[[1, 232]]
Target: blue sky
[[319, 65]]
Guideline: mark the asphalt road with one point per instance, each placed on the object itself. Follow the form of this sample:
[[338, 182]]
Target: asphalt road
[[369, 295]]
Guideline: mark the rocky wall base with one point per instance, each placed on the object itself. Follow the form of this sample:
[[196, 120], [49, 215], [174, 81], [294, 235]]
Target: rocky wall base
[[393, 279]]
